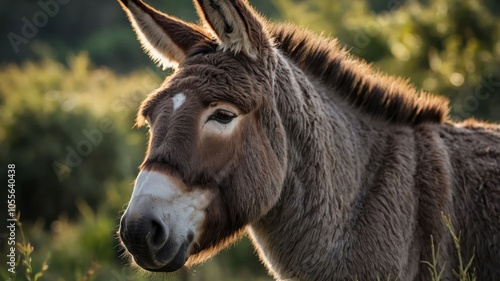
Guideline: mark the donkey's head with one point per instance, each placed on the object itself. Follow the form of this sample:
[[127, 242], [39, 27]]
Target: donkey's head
[[216, 158]]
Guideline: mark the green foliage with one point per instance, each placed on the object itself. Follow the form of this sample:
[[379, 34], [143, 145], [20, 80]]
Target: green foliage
[[446, 47], [26, 249], [65, 130]]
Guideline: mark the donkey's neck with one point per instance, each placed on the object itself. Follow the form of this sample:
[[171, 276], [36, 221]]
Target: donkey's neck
[[329, 148]]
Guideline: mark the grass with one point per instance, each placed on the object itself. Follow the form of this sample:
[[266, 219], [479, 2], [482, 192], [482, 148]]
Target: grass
[[464, 271], [26, 250], [435, 272]]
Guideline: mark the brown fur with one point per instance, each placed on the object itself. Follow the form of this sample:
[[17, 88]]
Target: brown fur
[[382, 96], [336, 171]]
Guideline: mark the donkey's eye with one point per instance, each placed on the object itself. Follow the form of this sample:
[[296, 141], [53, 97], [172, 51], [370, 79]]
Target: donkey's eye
[[222, 116]]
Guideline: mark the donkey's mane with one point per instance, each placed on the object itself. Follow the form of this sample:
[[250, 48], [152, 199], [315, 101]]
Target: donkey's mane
[[381, 96]]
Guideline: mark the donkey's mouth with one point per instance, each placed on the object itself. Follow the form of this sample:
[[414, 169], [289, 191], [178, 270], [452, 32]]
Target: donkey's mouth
[[173, 264]]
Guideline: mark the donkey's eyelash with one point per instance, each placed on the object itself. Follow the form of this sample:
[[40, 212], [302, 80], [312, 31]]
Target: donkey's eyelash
[[222, 116]]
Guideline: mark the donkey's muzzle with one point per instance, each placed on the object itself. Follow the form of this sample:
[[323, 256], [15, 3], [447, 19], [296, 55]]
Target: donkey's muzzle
[[161, 221], [147, 239]]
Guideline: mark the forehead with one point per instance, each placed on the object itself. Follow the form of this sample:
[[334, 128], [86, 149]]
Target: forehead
[[207, 78]]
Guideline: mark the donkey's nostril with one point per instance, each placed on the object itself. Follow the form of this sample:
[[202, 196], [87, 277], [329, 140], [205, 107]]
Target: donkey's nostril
[[158, 235]]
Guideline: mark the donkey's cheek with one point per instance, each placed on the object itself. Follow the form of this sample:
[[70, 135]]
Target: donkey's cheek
[[215, 152]]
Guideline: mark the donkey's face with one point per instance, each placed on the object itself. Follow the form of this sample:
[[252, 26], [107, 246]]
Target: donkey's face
[[215, 161]]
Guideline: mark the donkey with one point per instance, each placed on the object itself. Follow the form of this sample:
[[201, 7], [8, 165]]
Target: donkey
[[335, 171]]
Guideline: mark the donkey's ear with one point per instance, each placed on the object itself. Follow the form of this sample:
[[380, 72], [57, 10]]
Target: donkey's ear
[[238, 27], [166, 39]]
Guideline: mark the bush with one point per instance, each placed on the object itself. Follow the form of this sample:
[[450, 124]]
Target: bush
[[68, 132], [60, 157]]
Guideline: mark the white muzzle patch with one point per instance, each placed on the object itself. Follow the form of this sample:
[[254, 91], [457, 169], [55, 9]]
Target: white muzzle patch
[[165, 196]]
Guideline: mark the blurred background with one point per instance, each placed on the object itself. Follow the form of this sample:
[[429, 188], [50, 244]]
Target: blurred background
[[72, 76]]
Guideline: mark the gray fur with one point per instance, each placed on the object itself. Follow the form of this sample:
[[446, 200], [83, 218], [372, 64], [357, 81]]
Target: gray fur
[[336, 171]]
